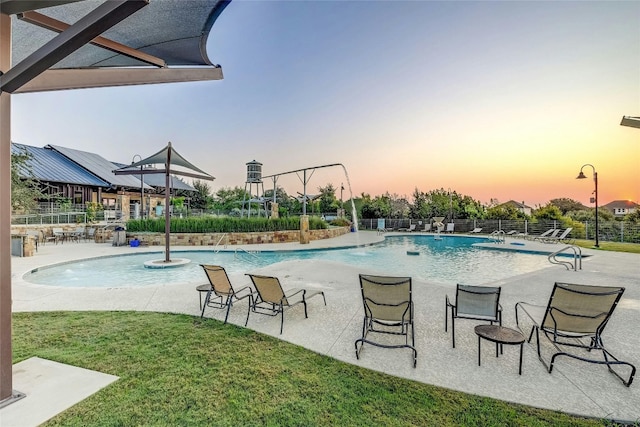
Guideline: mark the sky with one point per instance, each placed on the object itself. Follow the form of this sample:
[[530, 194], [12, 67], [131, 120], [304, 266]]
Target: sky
[[499, 100]]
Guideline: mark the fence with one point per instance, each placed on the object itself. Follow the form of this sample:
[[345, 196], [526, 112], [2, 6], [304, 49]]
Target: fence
[[612, 231]]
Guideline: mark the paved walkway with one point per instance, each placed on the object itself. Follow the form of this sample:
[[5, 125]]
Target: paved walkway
[[573, 387]]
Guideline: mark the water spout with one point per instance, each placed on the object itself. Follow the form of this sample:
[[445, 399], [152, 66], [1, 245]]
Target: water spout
[[354, 213]]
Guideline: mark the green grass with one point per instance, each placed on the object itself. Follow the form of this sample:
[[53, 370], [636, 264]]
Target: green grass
[[609, 246], [179, 371]]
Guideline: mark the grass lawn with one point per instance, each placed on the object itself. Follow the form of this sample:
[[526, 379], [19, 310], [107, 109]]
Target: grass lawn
[[179, 371], [610, 246]]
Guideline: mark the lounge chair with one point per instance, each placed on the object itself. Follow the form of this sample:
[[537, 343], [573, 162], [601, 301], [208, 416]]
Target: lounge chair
[[388, 309], [427, 228], [270, 298], [473, 302], [548, 233], [450, 226], [561, 238], [572, 323], [412, 227], [221, 293], [476, 230]]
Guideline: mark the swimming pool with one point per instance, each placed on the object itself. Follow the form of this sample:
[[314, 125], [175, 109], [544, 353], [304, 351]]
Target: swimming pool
[[448, 261]]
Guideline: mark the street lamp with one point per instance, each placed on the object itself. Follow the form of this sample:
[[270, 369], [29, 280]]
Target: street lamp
[[133, 160], [581, 175]]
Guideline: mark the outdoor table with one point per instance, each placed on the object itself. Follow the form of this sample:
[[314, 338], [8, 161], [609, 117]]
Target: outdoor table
[[500, 335]]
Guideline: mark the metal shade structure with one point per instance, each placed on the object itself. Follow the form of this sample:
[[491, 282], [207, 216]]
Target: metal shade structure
[[70, 44], [633, 122], [167, 157]]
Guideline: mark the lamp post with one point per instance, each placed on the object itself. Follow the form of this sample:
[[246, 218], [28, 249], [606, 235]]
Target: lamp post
[[581, 175], [133, 160], [450, 206]]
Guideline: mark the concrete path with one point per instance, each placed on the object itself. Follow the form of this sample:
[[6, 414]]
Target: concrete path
[[573, 387]]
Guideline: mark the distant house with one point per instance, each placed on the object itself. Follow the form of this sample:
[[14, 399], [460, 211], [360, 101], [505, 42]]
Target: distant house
[[621, 207], [519, 206], [84, 177]]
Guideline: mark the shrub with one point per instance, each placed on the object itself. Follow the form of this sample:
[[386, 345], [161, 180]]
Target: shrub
[[210, 224]]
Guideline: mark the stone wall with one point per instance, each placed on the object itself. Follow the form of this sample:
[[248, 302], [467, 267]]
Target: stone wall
[[213, 239]]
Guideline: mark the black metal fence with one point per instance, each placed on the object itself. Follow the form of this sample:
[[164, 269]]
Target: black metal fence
[[612, 231]]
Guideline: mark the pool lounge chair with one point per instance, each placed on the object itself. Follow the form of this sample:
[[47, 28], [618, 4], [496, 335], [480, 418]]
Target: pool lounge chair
[[473, 302], [270, 298], [547, 233], [476, 230], [572, 324], [562, 238], [221, 293], [388, 309], [450, 226]]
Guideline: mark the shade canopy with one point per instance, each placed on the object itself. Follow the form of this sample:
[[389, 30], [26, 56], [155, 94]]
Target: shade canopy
[[168, 156], [65, 44]]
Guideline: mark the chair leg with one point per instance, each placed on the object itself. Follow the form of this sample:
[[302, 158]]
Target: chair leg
[[248, 310], [282, 316], [229, 304], [453, 330], [204, 306]]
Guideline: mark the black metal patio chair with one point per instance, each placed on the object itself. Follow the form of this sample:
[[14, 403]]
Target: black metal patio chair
[[573, 322], [473, 302], [388, 309]]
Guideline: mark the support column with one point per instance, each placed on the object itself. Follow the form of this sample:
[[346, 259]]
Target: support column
[[304, 229], [6, 362], [274, 210]]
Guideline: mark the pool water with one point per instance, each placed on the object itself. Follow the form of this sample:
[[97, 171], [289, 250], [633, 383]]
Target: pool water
[[448, 261]]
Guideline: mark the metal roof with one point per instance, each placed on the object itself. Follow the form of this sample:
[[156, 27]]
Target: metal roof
[[158, 180], [48, 165], [97, 165]]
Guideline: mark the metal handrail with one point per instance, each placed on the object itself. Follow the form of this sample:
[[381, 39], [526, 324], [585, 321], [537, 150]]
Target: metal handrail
[[498, 236], [218, 244], [577, 258], [252, 253]]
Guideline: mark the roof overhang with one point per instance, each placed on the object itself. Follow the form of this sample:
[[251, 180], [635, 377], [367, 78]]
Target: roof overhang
[[633, 122], [77, 44]]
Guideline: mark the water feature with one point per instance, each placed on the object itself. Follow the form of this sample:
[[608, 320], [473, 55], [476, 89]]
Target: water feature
[[354, 213]]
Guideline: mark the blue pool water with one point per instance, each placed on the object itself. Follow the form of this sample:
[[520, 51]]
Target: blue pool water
[[447, 261]]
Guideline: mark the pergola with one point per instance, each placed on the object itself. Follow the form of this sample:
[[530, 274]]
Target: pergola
[[50, 45]]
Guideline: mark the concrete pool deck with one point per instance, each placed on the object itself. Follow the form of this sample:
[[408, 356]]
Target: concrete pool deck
[[573, 387]]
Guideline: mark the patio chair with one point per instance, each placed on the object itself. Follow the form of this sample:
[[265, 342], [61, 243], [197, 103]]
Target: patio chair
[[476, 230], [573, 322], [427, 228], [221, 293], [547, 233], [450, 226], [270, 298], [388, 309], [48, 237], [58, 233], [473, 302], [558, 239]]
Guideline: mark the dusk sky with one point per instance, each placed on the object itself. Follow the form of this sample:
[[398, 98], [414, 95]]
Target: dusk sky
[[503, 100]]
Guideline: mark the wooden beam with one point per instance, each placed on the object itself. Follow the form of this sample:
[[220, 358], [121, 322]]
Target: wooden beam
[[11, 7]]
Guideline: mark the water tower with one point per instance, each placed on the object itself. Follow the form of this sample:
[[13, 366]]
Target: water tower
[[254, 177]]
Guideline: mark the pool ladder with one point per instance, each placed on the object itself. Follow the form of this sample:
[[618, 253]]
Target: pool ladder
[[497, 236], [252, 253], [577, 258], [215, 248]]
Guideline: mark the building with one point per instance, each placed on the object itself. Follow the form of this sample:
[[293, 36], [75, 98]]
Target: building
[[620, 208], [519, 206], [83, 177]]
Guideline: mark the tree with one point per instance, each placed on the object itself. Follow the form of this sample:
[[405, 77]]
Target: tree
[[548, 212], [228, 198], [25, 190], [201, 199], [328, 201], [567, 205]]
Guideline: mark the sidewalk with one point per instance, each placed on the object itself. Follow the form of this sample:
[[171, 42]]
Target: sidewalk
[[573, 387]]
